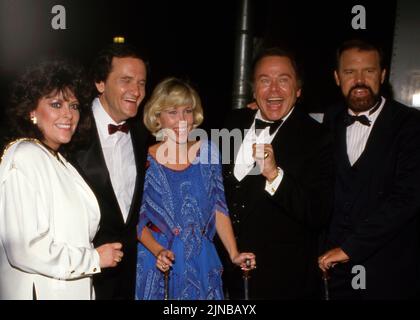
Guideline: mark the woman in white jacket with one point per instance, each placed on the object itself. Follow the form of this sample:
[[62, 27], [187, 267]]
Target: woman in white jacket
[[48, 214]]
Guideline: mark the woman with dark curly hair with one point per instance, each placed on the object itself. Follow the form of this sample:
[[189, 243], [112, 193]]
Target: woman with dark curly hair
[[48, 214]]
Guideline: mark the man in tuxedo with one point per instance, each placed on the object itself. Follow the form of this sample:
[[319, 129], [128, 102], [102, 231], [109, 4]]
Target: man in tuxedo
[[373, 240], [278, 185], [113, 161]]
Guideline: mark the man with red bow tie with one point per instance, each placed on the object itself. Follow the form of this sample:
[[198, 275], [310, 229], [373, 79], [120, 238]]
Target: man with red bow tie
[[113, 162]]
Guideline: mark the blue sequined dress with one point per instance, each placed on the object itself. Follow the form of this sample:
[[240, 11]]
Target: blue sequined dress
[[179, 208]]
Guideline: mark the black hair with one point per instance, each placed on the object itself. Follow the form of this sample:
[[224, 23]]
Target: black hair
[[102, 64], [279, 52], [41, 80], [362, 45]]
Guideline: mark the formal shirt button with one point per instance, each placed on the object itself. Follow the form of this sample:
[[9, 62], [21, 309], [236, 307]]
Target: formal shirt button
[[94, 269], [72, 271]]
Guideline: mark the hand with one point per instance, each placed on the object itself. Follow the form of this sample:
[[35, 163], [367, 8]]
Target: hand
[[110, 254], [164, 259], [264, 156], [240, 261], [331, 258]]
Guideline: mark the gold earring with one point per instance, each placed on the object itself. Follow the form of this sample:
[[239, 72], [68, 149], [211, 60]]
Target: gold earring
[[34, 119]]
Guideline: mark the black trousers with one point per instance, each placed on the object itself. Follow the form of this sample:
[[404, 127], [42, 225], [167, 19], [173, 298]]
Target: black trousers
[[340, 283]]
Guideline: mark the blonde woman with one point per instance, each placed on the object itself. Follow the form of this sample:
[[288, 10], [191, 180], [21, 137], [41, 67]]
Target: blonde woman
[[183, 203]]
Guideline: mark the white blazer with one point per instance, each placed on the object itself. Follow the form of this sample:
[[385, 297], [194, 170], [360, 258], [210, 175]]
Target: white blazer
[[48, 218]]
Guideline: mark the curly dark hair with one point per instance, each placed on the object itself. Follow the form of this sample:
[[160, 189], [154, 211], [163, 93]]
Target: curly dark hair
[[48, 77]]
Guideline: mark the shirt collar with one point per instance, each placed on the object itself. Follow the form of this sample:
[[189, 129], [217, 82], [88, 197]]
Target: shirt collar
[[258, 115], [372, 117], [102, 118]]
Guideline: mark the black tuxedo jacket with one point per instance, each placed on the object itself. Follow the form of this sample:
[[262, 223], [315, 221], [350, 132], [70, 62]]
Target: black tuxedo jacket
[[377, 203], [283, 229], [118, 282]]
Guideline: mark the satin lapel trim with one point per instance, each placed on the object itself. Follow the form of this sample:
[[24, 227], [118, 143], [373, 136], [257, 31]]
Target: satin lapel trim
[[341, 138], [95, 168], [288, 130], [378, 139], [138, 140]]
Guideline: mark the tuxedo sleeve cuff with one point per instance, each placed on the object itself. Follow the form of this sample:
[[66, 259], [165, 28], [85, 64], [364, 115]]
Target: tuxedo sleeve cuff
[[271, 187]]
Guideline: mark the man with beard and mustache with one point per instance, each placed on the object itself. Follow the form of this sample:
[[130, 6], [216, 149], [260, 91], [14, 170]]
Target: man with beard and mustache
[[372, 247]]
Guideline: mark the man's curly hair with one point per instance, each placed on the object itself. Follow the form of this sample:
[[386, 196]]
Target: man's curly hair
[[39, 81]]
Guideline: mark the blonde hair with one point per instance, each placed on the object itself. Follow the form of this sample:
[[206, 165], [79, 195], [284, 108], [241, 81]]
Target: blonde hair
[[171, 92]]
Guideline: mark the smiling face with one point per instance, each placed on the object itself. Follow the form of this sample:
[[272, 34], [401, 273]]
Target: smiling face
[[124, 89], [360, 77], [57, 116], [178, 122], [275, 87]]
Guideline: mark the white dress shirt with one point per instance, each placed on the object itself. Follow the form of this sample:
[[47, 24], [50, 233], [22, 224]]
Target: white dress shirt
[[119, 157], [357, 134], [245, 163]]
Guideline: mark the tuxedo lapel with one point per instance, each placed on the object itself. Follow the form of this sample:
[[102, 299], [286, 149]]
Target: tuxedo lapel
[[377, 141], [285, 143], [240, 120], [341, 142], [375, 148], [94, 169], [138, 139]]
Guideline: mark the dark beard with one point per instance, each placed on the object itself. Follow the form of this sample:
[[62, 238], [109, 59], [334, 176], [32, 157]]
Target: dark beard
[[361, 104]]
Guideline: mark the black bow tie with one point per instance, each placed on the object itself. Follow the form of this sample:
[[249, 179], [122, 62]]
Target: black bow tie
[[349, 120], [112, 128], [261, 125]]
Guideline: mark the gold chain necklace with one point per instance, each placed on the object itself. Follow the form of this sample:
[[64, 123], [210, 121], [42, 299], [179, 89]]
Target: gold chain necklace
[[38, 142]]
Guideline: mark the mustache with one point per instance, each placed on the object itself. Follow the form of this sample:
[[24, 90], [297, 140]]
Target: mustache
[[361, 86]]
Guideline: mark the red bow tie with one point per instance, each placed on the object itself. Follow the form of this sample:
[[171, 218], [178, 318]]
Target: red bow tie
[[112, 128]]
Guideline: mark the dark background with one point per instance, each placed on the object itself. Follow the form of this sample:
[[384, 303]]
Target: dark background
[[190, 39]]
